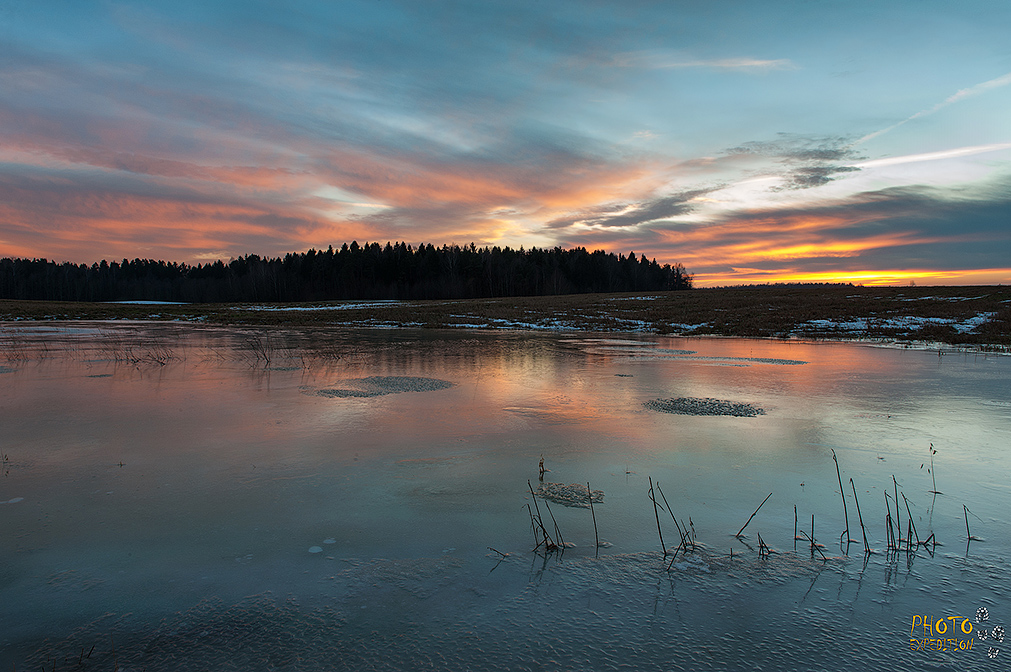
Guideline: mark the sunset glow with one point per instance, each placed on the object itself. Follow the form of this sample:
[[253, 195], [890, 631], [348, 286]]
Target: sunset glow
[[773, 142]]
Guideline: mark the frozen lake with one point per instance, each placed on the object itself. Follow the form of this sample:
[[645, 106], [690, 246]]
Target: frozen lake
[[178, 497]]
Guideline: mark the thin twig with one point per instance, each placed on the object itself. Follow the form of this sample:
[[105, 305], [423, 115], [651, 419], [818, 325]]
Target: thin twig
[[911, 518], [933, 480], [795, 527], [656, 513], [814, 546], [752, 515], [671, 512], [898, 518], [842, 493], [867, 547], [558, 532]]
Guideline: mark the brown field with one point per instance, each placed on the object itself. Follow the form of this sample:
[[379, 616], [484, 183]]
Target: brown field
[[965, 316]]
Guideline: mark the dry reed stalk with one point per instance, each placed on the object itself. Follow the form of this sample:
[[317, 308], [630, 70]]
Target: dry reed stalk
[[795, 527], [738, 535], [684, 532], [896, 533], [657, 515], [933, 480], [596, 539], [558, 532], [842, 494], [533, 528], [814, 546], [969, 536], [549, 543], [898, 517], [867, 547], [911, 525]]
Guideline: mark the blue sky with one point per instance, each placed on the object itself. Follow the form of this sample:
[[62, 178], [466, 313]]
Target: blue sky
[[752, 142]]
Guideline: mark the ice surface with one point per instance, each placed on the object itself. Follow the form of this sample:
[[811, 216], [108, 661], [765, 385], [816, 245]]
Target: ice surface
[[788, 612], [163, 502]]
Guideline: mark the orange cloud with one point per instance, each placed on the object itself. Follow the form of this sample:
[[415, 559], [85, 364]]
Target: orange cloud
[[861, 243], [406, 181], [85, 227]]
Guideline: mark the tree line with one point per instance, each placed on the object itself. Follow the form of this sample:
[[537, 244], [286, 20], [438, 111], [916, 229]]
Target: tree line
[[370, 271]]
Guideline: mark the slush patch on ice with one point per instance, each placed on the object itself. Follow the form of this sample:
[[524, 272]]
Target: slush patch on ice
[[14, 501], [906, 323], [707, 406], [750, 360], [330, 540], [574, 494], [315, 549], [151, 303], [667, 354], [6, 369], [377, 386], [360, 305], [691, 562]]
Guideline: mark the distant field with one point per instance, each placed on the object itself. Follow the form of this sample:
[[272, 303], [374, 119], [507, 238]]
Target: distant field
[[971, 316]]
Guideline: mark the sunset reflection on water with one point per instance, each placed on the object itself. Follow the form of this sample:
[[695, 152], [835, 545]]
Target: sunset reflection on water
[[162, 465]]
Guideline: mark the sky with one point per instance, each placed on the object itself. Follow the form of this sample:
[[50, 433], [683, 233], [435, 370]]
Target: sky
[[753, 142]]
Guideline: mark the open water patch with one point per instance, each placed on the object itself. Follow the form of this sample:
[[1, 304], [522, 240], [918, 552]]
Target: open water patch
[[378, 386], [705, 406]]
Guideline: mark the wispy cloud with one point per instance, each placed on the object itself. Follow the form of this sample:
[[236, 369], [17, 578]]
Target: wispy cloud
[[732, 64], [656, 60], [962, 94], [933, 156], [631, 215]]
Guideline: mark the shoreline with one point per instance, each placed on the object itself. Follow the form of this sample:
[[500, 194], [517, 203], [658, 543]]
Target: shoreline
[[940, 348], [965, 318]]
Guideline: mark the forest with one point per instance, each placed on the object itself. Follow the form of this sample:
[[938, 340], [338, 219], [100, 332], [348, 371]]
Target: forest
[[369, 271]]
